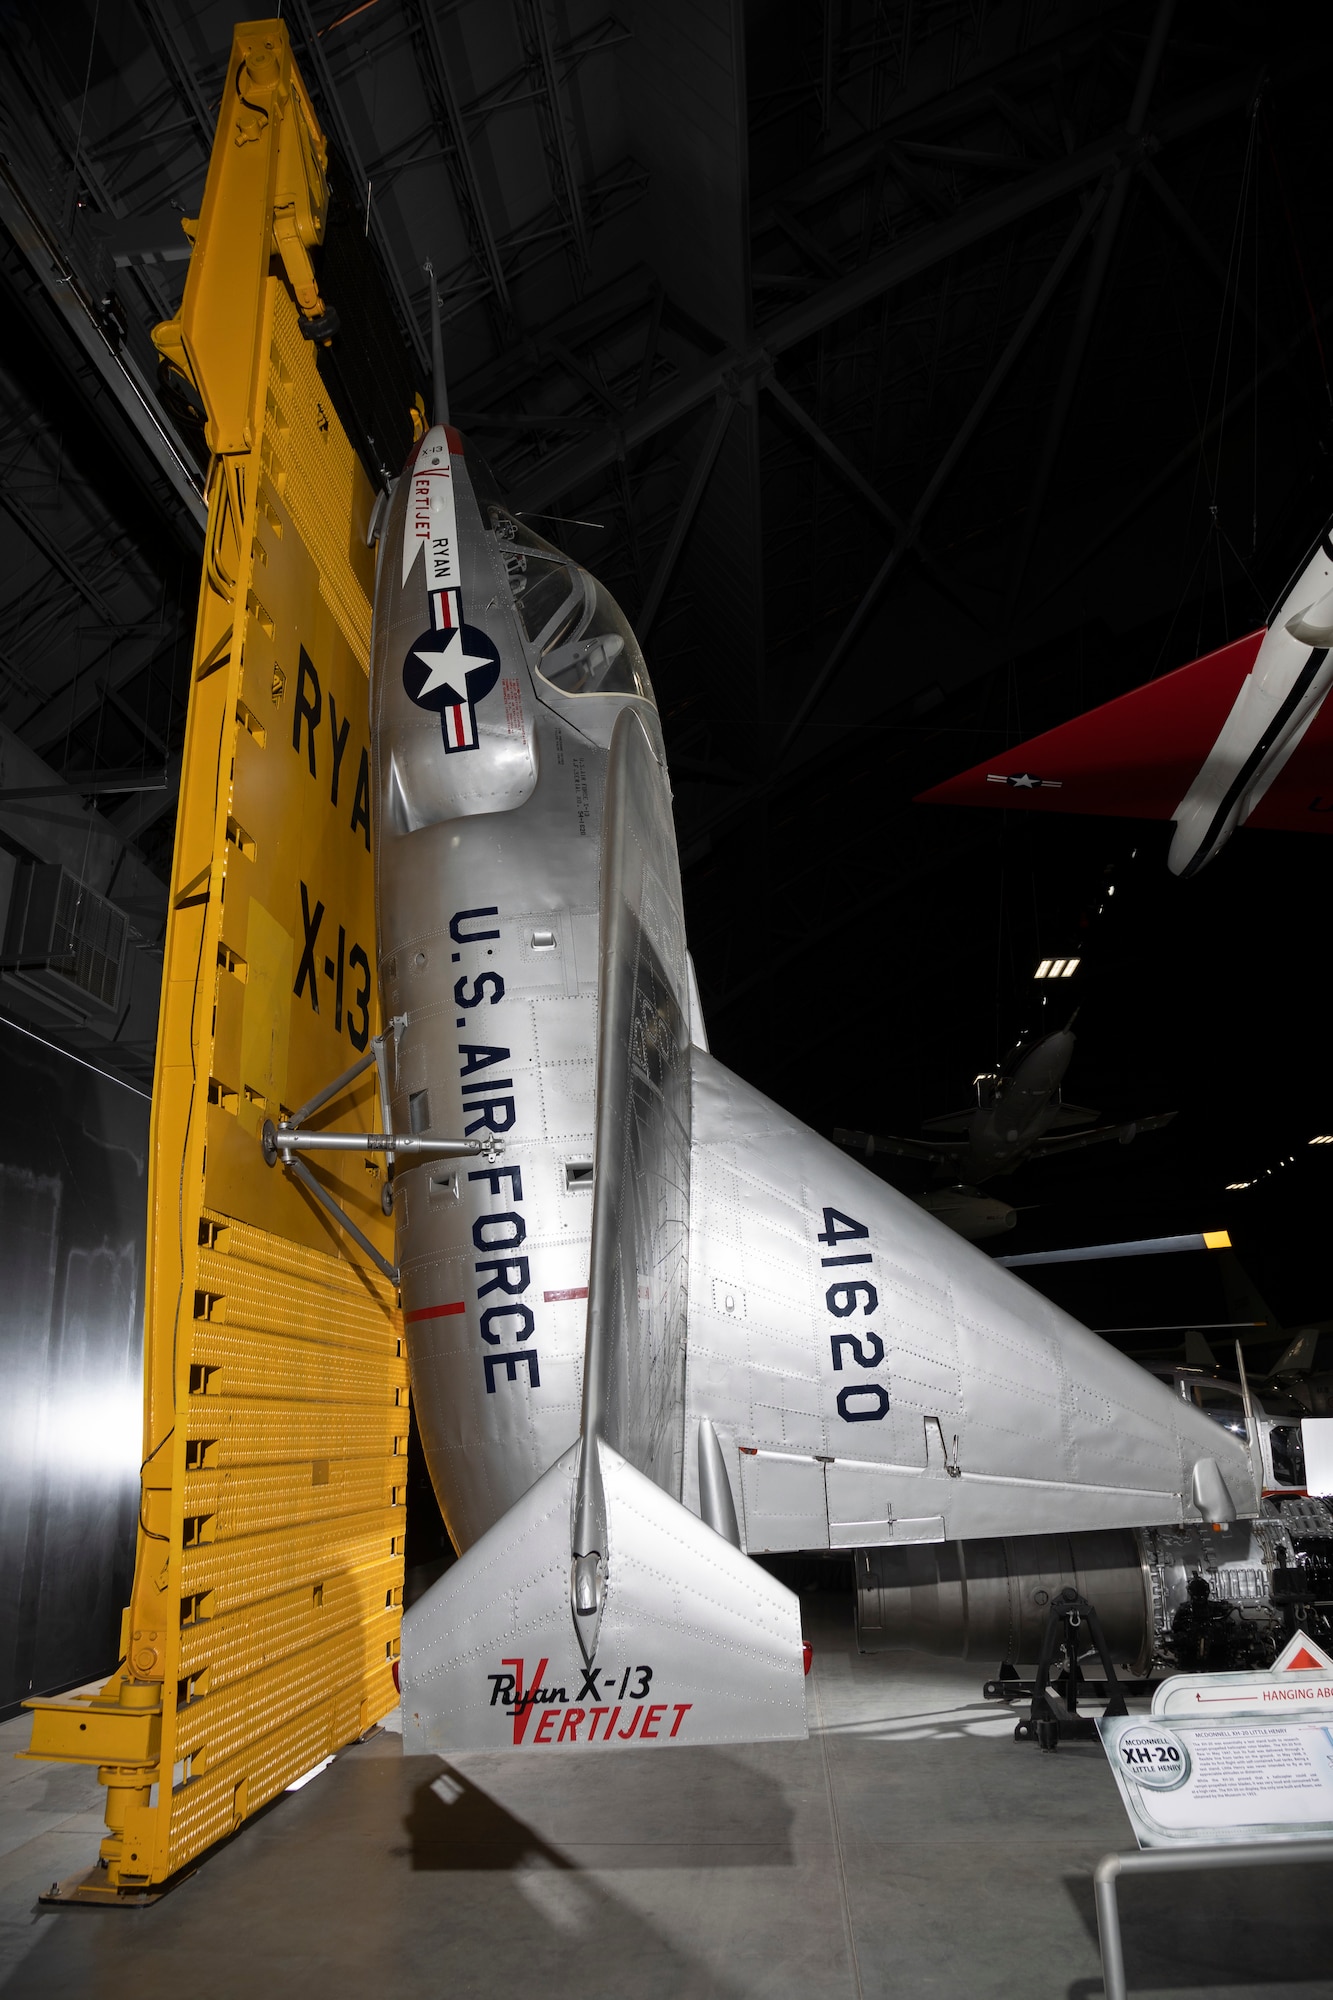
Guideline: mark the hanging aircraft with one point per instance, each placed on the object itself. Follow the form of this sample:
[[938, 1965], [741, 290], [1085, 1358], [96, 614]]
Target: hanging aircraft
[[1019, 1115], [963, 1209], [1241, 737], [655, 1326]]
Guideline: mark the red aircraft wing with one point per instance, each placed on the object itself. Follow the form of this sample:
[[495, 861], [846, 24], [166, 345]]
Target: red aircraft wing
[[1134, 757]]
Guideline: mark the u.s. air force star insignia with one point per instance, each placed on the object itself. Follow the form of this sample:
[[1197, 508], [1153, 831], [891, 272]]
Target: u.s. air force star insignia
[[1024, 781], [449, 672]]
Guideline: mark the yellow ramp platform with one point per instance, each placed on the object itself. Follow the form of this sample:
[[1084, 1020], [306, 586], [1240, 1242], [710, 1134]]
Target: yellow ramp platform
[[268, 1584]]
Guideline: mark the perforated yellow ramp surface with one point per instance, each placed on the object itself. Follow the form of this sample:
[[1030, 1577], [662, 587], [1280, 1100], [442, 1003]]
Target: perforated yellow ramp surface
[[268, 1588]]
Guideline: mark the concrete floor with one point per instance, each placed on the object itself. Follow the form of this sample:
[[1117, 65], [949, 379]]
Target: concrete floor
[[911, 1847]]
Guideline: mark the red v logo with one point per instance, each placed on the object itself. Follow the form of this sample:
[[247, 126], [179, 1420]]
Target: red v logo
[[522, 1708]]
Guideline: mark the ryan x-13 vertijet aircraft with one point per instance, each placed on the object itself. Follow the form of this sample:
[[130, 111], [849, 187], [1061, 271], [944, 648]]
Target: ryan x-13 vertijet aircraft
[[659, 1326], [1241, 737]]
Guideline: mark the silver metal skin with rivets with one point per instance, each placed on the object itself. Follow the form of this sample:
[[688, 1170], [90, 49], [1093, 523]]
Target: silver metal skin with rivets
[[665, 1324]]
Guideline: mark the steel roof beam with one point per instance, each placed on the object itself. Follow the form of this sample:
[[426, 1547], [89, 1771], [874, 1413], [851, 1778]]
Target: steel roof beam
[[127, 713], [966, 432], [536, 35], [43, 729], [685, 514], [179, 74], [312, 52], [974, 222], [145, 808], [452, 128], [42, 540], [862, 487], [1188, 455], [1093, 281], [848, 164], [1197, 242], [117, 370]]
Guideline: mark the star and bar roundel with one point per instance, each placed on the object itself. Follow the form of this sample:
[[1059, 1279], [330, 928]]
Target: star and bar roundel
[[451, 668]]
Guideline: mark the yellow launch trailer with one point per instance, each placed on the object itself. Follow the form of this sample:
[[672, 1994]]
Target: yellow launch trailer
[[268, 1582]]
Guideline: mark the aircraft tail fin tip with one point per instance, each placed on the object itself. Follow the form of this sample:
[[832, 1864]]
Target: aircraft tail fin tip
[[696, 1643]]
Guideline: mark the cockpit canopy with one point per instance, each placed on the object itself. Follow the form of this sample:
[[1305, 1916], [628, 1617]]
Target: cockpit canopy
[[582, 641]]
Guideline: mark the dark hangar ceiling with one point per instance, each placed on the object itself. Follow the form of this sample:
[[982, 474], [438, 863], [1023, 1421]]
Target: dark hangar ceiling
[[927, 370]]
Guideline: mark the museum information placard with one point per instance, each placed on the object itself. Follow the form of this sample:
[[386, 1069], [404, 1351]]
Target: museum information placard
[[1228, 1757]]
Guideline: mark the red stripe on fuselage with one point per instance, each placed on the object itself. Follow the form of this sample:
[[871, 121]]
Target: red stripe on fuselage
[[436, 1312]]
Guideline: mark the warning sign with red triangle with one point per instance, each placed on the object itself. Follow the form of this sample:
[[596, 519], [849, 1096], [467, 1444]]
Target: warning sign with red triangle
[[1302, 1656]]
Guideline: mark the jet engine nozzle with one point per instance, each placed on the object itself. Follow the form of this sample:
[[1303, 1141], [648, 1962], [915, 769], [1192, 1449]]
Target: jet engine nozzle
[[589, 1577]]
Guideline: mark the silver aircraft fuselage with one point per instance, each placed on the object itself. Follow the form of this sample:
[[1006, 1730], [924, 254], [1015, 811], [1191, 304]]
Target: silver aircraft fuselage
[[784, 1323], [498, 679]]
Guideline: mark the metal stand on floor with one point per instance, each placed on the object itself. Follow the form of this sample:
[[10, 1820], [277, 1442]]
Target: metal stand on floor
[[1054, 1715], [1172, 1860]]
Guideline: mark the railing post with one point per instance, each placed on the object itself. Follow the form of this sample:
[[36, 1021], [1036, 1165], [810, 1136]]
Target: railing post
[[1104, 1880]]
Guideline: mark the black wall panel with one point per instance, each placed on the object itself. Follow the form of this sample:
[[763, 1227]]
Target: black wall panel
[[73, 1193]]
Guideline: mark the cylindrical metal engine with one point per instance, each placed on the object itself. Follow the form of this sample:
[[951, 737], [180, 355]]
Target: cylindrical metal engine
[[988, 1599]]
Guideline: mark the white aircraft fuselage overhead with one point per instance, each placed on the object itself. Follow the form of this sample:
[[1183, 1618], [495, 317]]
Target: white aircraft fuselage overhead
[[1277, 702], [661, 1325]]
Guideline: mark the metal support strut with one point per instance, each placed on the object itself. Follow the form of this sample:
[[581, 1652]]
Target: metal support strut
[[1070, 1623], [286, 1141]]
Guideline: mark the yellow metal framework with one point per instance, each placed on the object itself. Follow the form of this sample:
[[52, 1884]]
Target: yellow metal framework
[[267, 1592]]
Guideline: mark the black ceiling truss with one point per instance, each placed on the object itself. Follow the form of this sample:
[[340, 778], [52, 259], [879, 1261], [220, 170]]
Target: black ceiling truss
[[929, 397]]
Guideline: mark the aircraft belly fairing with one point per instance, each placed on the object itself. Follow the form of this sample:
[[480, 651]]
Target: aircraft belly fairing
[[726, 1292]]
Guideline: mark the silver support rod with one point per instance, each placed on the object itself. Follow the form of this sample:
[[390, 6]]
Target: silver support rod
[[286, 1141], [1176, 1860], [439, 388], [330, 1090], [381, 1047], [1251, 1432], [340, 1215]]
